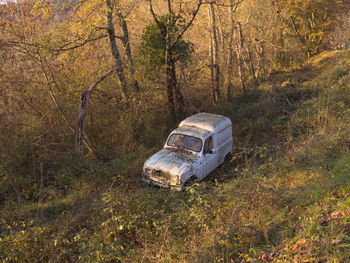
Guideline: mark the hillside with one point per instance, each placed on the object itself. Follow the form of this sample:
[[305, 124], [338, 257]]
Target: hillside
[[284, 196]]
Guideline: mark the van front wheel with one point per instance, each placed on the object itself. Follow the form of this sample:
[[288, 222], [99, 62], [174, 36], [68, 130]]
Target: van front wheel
[[228, 158], [191, 181]]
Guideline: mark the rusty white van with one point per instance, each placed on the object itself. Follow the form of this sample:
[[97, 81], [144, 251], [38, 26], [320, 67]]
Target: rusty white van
[[192, 151]]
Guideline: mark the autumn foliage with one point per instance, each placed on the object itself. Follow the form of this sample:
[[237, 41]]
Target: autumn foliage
[[90, 89]]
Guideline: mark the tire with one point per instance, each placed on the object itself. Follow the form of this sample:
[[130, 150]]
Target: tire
[[192, 180], [228, 158]]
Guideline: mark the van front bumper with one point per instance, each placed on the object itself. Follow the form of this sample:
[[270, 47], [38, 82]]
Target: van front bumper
[[161, 184]]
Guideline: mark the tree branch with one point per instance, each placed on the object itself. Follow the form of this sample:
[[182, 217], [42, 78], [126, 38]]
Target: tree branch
[[235, 5], [154, 14], [195, 12], [81, 44], [62, 48]]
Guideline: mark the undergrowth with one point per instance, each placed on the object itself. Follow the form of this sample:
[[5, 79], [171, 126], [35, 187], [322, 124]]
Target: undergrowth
[[284, 196]]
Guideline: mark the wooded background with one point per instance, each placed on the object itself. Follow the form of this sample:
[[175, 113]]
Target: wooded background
[[91, 82]]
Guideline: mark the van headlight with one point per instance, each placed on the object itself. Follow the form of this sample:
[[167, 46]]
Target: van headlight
[[146, 171]]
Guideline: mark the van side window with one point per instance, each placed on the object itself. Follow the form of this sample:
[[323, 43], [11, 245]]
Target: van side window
[[208, 145]]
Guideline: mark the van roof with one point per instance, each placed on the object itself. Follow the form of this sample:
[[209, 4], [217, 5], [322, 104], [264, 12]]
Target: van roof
[[192, 131], [207, 121]]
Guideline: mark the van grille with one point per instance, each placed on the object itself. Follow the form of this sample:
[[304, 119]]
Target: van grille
[[160, 176]]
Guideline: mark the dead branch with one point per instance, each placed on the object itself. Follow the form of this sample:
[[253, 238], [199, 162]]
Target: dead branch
[[85, 95]]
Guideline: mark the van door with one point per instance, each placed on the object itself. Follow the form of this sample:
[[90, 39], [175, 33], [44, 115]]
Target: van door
[[209, 157]]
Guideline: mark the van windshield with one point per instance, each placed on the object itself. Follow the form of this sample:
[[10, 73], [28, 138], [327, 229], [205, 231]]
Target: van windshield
[[185, 141]]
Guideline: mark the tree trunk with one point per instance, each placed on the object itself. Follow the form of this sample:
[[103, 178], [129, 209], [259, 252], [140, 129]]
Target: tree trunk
[[126, 43], [180, 103], [229, 84], [251, 65], [214, 53], [184, 77], [259, 52], [18, 193], [240, 55], [221, 37], [211, 69], [115, 51], [170, 86], [80, 122], [170, 81]]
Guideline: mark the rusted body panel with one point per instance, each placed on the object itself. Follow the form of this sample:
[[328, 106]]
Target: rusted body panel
[[172, 166]]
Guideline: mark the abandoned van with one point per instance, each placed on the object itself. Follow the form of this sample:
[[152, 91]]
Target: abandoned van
[[192, 151]]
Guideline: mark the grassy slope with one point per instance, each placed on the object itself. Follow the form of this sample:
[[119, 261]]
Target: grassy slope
[[284, 198]]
